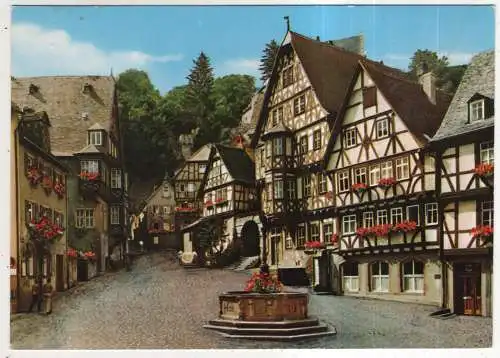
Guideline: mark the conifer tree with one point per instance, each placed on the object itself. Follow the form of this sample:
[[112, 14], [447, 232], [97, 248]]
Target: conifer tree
[[267, 60], [199, 88]]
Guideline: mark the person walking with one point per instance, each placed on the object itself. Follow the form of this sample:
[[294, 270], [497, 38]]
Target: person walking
[[47, 293], [36, 297]]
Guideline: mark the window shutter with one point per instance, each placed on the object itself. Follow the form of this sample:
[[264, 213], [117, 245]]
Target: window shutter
[[369, 97], [489, 107]]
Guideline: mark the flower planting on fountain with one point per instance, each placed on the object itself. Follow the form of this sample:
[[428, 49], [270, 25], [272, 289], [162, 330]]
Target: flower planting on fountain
[[44, 230], [359, 187], [34, 175], [84, 175], [483, 232], [263, 282], [484, 170], [59, 189], [386, 182]]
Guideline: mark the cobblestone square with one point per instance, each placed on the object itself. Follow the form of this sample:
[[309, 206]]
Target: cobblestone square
[[161, 305]]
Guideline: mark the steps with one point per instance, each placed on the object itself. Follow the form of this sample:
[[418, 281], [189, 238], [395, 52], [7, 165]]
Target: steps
[[443, 314], [271, 331]]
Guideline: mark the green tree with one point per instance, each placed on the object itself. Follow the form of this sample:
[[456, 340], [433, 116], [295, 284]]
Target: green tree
[[199, 88], [267, 60]]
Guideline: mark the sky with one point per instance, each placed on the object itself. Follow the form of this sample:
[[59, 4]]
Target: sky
[[164, 40]]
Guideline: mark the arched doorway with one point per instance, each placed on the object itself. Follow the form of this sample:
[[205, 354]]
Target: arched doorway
[[251, 239]]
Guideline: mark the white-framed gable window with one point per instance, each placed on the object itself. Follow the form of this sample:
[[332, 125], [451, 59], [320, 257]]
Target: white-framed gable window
[[322, 186], [287, 76], [95, 137], [278, 146], [486, 151], [292, 192], [343, 181], [386, 169], [348, 224], [360, 175], [487, 210], [350, 137], [402, 168], [382, 127], [114, 215], [116, 178], [476, 110], [85, 218]]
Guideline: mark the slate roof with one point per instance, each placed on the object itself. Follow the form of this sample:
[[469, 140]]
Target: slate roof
[[63, 99], [410, 101], [278, 128], [237, 162], [478, 78]]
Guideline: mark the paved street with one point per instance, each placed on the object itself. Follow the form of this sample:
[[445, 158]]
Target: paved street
[[159, 305]]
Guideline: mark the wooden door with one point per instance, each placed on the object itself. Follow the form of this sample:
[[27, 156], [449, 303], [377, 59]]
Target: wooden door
[[59, 273], [468, 289], [274, 252]]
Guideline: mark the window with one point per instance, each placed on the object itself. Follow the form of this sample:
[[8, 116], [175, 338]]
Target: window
[[374, 175], [327, 231], [350, 139], [268, 149], [278, 189], [115, 215], [300, 236], [45, 211], [382, 217], [368, 219], [350, 277], [292, 191], [349, 224], [276, 116], [369, 96], [431, 214], [166, 191], [30, 211], [116, 178], [299, 105], [476, 110], [413, 276], [191, 188], [85, 218], [59, 218], [413, 213], [202, 168], [487, 213], [402, 168], [287, 76], [382, 128], [343, 178], [317, 139], [396, 215], [182, 187], [380, 277], [166, 211], [486, 151], [314, 230], [322, 185], [386, 169], [95, 137], [303, 147], [89, 166], [278, 146], [360, 175], [262, 156], [306, 185]]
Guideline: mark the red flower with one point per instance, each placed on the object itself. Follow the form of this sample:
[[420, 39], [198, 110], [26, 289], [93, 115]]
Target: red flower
[[363, 231], [381, 230], [44, 229], [314, 245], [387, 182], [208, 203], [359, 187], [34, 175], [329, 195], [59, 189], [484, 232], [405, 226], [484, 170], [89, 176], [263, 283], [334, 239]]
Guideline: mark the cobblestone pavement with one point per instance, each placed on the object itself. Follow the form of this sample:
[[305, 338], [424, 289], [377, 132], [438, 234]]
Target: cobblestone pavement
[[159, 305]]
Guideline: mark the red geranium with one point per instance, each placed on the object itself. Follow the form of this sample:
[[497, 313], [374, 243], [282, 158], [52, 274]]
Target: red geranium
[[387, 182], [89, 176], [484, 170], [405, 226], [47, 182], [45, 230], [484, 232], [34, 175], [364, 231], [208, 203], [314, 245], [381, 230], [334, 239], [59, 189], [359, 187], [71, 252], [89, 255], [263, 283]]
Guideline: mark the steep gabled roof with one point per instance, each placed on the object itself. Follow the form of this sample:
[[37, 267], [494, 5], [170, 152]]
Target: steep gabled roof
[[479, 78], [238, 163], [63, 99]]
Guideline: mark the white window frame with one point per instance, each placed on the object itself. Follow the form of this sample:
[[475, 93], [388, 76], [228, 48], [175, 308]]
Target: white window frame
[[374, 279], [382, 217], [327, 229], [350, 282], [413, 277], [374, 175], [487, 152], [476, 110], [487, 212], [431, 210], [85, 218], [300, 235], [95, 137], [114, 215], [165, 191], [292, 189], [382, 127], [317, 139], [360, 175], [278, 189], [299, 105], [368, 219], [116, 178], [349, 224], [306, 185], [396, 215], [386, 169], [278, 147], [89, 166], [408, 216], [350, 138], [343, 182], [315, 232], [202, 168], [402, 168], [303, 144], [287, 70], [322, 183]]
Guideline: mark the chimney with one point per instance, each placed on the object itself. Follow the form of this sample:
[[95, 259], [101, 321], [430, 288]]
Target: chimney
[[427, 80]]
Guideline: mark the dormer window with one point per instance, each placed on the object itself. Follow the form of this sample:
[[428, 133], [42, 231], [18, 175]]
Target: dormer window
[[476, 110], [33, 89], [95, 137], [287, 76]]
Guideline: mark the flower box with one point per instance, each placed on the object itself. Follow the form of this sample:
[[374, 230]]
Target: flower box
[[359, 187], [209, 203], [405, 226], [181, 209], [483, 232], [44, 230], [314, 245], [484, 170], [72, 253], [386, 182], [47, 183], [220, 201], [34, 176], [59, 189], [88, 176], [89, 255]]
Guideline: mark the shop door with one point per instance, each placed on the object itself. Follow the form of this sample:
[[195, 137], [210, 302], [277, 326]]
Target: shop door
[[468, 289]]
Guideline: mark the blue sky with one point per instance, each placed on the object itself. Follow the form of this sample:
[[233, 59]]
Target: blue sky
[[163, 40]]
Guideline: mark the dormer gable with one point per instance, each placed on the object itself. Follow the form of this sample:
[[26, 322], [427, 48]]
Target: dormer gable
[[35, 127], [96, 135], [479, 107]]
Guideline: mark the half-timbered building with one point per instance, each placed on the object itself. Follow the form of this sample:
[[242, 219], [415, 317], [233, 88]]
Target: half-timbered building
[[384, 185], [230, 207], [303, 96], [464, 160]]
